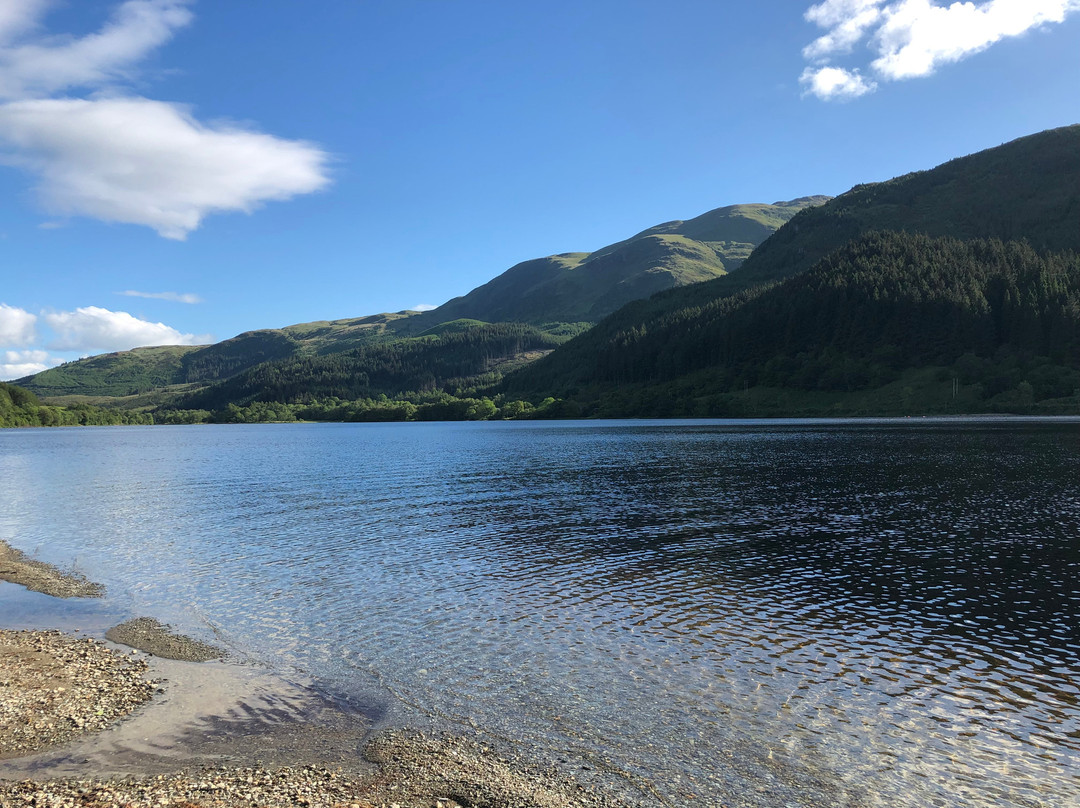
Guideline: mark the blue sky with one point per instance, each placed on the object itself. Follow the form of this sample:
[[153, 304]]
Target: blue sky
[[184, 171]]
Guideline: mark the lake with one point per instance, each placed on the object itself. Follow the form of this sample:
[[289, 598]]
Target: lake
[[882, 612]]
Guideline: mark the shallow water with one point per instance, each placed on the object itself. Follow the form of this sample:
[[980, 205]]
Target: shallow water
[[742, 611]]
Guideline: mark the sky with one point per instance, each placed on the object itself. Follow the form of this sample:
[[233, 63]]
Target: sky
[[177, 172]]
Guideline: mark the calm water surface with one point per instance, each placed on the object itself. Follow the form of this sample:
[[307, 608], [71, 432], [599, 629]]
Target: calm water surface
[[887, 610]]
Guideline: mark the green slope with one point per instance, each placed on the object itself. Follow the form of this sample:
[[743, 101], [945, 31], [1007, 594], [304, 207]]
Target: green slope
[[116, 374], [142, 370], [585, 287], [997, 322], [460, 357], [1028, 189], [1025, 190]]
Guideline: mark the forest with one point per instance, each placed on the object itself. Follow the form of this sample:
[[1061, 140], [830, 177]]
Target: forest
[[997, 315], [456, 362]]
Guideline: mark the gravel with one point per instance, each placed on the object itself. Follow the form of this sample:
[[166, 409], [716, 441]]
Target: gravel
[[37, 576], [415, 771], [147, 634], [425, 773], [55, 687]]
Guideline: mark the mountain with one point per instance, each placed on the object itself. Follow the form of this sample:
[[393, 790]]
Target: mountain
[[585, 287], [1025, 190], [802, 298], [563, 294]]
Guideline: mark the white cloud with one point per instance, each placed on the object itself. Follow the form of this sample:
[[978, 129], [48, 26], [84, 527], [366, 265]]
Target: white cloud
[[126, 159], [146, 162], [96, 329], [847, 21], [16, 16], [422, 307], [175, 297], [917, 35], [52, 65], [18, 364], [26, 356], [912, 38], [9, 372], [16, 326], [835, 83]]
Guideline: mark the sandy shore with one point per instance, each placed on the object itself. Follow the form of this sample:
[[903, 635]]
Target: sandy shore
[[88, 723]]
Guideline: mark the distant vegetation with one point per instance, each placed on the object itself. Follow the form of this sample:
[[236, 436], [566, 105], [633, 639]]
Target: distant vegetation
[[19, 407]]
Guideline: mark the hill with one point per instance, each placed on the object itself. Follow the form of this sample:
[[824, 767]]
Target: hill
[[564, 294], [144, 370], [456, 358], [585, 287], [1025, 192]]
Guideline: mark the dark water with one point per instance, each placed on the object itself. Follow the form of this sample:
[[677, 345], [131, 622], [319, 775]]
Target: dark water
[[887, 610]]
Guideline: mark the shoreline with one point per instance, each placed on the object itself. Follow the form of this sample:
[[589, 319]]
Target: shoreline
[[157, 731], [37, 576]]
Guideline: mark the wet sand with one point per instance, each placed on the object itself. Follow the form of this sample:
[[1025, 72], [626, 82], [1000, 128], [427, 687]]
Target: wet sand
[[89, 723]]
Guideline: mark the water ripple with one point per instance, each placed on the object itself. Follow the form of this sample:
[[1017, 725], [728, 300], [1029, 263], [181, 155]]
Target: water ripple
[[889, 608]]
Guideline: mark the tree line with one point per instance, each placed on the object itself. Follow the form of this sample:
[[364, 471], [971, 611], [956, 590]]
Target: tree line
[[1000, 313], [20, 407]]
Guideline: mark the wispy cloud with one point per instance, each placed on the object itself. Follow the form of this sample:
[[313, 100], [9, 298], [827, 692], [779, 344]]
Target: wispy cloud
[[43, 66], [122, 158], [422, 307], [96, 329], [911, 38], [175, 297], [17, 327]]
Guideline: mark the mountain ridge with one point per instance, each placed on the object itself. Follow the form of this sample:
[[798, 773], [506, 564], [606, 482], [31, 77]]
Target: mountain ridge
[[561, 294], [1026, 191]]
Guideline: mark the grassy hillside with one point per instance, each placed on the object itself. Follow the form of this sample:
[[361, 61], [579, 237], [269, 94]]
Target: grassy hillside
[[143, 370], [114, 374], [1027, 190], [585, 287]]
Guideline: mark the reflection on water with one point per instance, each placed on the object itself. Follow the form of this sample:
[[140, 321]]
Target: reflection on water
[[888, 606]]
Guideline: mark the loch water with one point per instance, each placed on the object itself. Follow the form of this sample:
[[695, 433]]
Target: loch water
[[759, 613]]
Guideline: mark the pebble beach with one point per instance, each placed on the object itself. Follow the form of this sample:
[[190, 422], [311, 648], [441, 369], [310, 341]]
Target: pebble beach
[[58, 691]]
